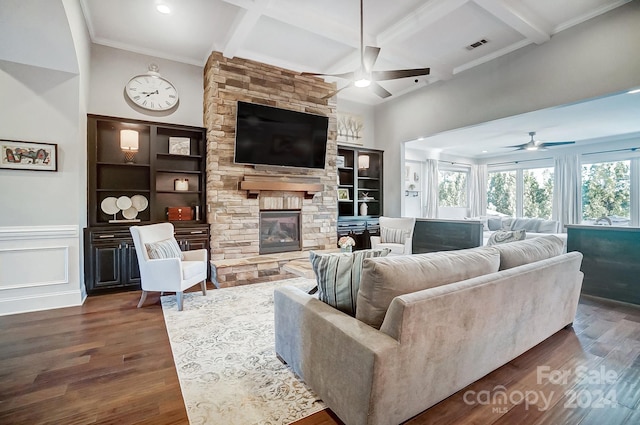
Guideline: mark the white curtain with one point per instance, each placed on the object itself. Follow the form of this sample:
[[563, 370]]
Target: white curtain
[[432, 190], [478, 190], [567, 190]]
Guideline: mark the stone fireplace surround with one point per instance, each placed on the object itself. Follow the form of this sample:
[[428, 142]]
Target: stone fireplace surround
[[237, 193]]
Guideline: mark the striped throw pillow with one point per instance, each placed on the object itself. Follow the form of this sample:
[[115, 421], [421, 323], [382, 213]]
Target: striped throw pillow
[[338, 276], [388, 235], [167, 248]]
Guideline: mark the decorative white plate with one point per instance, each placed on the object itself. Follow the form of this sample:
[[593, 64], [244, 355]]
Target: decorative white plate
[[109, 206], [130, 213], [124, 202], [139, 202]]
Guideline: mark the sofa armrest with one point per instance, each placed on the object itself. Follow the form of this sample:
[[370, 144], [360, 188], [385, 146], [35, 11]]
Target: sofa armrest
[[375, 241], [346, 362], [408, 246]]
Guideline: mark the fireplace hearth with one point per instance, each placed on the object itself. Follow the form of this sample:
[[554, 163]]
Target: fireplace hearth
[[280, 231]]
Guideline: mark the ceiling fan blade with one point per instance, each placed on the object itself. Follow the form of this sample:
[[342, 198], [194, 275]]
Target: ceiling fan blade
[[399, 73], [333, 93], [547, 144], [345, 75], [369, 57], [379, 90]]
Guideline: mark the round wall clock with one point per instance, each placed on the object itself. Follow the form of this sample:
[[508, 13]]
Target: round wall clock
[[151, 91]]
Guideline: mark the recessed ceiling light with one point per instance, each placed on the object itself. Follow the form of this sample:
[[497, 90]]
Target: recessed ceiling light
[[163, 8], [420, 138], [634, 91], [485, 151]]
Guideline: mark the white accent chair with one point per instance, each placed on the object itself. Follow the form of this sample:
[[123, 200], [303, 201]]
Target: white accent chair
[[167, 274], [406, 224]]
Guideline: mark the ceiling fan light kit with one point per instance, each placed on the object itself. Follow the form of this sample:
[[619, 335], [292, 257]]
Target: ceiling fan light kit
[[365, 76], [536, 145]]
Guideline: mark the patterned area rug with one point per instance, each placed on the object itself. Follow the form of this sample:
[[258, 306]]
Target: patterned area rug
[[223, 347]]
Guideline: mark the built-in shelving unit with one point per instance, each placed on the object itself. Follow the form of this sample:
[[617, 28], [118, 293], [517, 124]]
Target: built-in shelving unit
[[149, 184], [359, 176]]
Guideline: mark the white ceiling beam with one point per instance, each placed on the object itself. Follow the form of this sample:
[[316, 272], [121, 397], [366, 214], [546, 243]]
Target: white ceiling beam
[[242, 26], [418, 20], [518, 17], [300, 15]]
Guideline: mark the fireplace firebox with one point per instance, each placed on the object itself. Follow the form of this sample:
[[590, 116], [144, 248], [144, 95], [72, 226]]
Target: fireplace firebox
[[280, 231]]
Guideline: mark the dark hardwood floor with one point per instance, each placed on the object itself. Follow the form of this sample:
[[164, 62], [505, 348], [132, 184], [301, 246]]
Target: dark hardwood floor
[[104, 362], [108, 362]]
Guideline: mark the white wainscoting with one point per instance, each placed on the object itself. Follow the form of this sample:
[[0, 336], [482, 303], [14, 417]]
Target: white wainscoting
[[40, 268]]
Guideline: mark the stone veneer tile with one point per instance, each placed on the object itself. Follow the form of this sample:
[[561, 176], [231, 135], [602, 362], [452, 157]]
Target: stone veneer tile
[[234, 217]]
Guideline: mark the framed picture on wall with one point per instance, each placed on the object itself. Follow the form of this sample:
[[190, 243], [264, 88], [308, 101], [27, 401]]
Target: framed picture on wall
[[29, 156], [343, 195], [179, 145]]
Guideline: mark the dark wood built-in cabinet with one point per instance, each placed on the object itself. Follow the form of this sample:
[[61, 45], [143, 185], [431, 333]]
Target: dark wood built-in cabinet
[[611, 260], [363, 185], [432, 235], [150, 182]]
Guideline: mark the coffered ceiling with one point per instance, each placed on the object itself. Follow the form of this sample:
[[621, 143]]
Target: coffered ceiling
[[323, 36]]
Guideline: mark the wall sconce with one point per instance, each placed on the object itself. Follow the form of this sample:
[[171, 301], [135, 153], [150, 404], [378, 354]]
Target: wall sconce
[[129, 145], [363, 162]]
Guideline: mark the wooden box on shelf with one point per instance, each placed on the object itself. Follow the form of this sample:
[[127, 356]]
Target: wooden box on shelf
[[180, 213]]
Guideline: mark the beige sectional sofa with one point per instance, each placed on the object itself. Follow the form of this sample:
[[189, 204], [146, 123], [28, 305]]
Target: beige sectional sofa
[[452, 318]]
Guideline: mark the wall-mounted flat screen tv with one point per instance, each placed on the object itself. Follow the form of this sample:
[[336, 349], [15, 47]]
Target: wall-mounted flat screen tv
[[272, 136]]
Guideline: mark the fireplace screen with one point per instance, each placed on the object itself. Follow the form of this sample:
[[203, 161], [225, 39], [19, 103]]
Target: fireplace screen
[[279, 231]]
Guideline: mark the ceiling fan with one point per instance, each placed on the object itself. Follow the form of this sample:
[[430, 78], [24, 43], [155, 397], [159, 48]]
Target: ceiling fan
[[365, 76], [536, 145]]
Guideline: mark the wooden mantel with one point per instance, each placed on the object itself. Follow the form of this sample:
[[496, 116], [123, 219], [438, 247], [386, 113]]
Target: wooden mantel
[[254, 184]]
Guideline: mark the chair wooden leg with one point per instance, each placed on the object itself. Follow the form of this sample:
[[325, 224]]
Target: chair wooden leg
[[204, 287], [179, 297], [143, 298]]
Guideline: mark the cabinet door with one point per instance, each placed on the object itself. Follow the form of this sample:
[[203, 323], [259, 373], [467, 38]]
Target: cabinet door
[[107, 262], [130, 265]]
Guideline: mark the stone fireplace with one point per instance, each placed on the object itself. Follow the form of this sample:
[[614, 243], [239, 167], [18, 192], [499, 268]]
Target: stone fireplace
[[279, 231], [237, 195]]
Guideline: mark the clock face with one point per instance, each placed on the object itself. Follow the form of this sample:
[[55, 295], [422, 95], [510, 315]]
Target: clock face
[[152, 92]]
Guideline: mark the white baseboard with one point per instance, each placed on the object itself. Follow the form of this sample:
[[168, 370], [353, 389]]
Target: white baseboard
[[39, 302]]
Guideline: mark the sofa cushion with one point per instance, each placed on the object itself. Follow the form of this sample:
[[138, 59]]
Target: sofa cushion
[[528, 224], [167, 248], [504, 236], [529, 250], [494, 223], [548, 226], [338, 276], [506, 223], [383, 279]]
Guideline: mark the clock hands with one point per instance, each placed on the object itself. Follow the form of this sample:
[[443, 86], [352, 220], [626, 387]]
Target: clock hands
[[149, 93]]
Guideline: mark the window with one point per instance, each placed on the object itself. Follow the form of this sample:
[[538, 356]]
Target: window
[[606, 192], [452, 188], [501, 195], [538, 192]]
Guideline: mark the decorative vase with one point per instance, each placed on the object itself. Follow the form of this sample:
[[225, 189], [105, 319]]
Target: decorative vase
[[363, 208], [346, 248]]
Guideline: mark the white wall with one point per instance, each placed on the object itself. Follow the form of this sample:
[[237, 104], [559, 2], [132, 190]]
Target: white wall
[[367, 113], [40, 218], [592, 59], [112, 68]]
